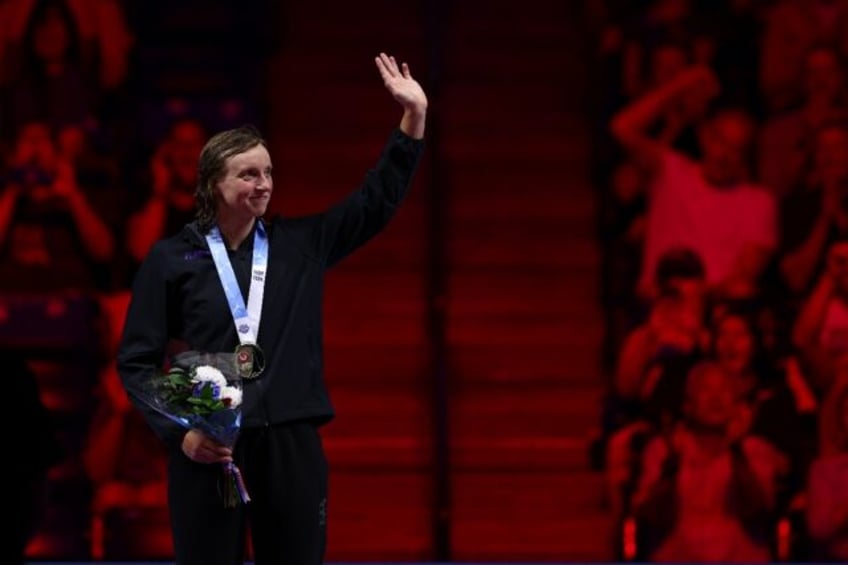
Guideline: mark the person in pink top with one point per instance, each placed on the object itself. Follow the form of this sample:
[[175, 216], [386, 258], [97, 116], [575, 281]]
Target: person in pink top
[[709, 205]]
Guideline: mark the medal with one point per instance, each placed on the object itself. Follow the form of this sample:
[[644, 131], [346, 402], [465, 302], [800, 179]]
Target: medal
[[250, 360]]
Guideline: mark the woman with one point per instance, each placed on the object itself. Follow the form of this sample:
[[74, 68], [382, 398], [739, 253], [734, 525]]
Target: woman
[[770, 406], [177, 295]]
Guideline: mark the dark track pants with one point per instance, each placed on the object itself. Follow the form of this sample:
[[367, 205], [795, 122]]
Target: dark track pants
[[285, 470]]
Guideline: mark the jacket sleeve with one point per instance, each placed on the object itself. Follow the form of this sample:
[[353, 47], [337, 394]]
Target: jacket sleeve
[[144, 341], [368, 210]]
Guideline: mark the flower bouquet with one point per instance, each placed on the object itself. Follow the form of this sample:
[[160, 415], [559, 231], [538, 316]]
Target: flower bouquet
[[203, 391]]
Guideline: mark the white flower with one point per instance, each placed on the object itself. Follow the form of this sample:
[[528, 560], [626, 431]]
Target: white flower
[[233, 394], [206, 373]]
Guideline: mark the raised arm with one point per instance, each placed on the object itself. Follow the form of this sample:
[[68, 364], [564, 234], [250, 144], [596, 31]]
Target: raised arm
[[807, 328], [94, 233], [366, 211], [407, 92], [630, 126]]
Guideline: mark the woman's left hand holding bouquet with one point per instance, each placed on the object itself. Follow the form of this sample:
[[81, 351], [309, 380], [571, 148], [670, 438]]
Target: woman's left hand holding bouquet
[[200, 448]]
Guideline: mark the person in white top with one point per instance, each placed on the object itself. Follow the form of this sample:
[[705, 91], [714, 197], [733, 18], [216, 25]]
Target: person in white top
[[710, 205]]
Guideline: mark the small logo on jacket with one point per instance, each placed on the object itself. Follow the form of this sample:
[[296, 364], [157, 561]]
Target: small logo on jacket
[[196, 254], [322, 513]]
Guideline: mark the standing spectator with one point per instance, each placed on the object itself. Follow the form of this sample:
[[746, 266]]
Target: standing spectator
[[792, 28], [55, 232], [709, 205], [787, 140], [650, 375]]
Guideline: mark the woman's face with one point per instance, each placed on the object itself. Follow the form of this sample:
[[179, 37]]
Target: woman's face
[[831, 156], [823, 75], [734, 344], [245, 189], [183, 148], [712, 399], [34, 146]]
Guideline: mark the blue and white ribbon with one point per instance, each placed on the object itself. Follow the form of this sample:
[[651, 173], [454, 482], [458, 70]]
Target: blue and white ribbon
[[246, 318]]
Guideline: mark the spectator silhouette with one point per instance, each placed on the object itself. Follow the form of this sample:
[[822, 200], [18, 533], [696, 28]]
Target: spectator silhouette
[[52, 220]]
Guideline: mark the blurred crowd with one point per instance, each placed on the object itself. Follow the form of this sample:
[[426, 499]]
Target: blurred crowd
[[104, 107], [721, 154]]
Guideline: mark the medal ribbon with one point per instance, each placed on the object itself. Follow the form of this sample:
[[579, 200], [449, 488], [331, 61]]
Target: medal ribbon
[[246, 319]]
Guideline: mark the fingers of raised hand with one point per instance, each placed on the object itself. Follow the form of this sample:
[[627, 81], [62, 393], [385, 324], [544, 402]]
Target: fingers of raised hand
[[388, 66]]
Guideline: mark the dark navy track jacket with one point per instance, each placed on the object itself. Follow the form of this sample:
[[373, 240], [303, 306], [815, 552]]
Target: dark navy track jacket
[[177, 297]]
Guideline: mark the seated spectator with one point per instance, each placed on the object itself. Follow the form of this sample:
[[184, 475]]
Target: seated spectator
[[827, 495], [792, 28], [821, 329], [50, 222], [707, 490], [787, 140], [709, 205], [652, 367], [771, 407], [673, 325]]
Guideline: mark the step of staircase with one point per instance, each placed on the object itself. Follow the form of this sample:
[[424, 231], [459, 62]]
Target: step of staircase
[[379, 516], [528, 517]]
